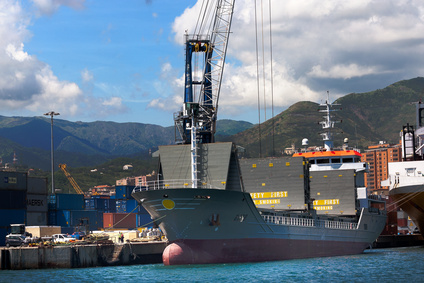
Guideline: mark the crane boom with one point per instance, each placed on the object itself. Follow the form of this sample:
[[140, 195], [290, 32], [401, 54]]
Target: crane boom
[[201, 96], [71, 179]]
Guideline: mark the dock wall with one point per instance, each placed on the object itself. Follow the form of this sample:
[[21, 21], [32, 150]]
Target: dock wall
[[78, 256]]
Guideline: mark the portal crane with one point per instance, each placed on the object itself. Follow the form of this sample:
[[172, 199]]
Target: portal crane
[[201, 96], [71, 179]]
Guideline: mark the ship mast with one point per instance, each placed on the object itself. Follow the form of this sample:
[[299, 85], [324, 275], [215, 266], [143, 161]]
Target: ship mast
[[328, 123]]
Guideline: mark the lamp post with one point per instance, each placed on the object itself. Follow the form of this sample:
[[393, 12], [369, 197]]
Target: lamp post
[[51, 114]]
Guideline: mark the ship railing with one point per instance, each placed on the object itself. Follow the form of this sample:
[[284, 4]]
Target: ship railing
[[309, 222], [171, 184]]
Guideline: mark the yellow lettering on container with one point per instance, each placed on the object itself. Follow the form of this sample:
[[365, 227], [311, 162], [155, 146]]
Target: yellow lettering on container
[[271, 165], [326, 201], [266, 201], [253, 165], [287, 163], [323, 207], [280, 194]]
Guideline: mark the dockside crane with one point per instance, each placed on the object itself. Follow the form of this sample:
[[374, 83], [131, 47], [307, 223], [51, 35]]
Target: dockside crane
[[71, 179], [197, 119]]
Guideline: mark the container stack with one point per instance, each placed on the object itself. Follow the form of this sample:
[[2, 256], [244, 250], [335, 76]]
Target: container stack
[[68, 211], [13, 191], [126, 204], [37, 205]]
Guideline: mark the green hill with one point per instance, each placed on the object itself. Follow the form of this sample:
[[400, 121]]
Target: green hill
[[366, 119]]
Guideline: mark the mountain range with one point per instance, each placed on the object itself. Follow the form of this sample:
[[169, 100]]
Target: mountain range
[[366, 119]]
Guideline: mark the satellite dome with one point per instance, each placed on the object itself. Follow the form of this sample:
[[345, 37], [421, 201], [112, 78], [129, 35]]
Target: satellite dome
[[305, 141]]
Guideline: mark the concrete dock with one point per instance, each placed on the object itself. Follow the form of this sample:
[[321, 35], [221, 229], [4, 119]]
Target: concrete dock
[[77, 256]]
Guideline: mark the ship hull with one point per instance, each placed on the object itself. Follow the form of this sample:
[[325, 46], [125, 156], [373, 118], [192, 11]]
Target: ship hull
[[411, 200], [221, 226]]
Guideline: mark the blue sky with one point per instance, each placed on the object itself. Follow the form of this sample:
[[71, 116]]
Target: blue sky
[[123, 61]]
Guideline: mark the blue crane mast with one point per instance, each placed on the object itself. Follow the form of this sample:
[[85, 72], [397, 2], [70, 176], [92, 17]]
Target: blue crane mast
[[200, 107]]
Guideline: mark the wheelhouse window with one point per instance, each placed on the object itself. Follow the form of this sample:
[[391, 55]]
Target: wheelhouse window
[[323, 161]]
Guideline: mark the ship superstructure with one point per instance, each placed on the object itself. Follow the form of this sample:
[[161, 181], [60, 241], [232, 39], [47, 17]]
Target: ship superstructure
[[337, 184]]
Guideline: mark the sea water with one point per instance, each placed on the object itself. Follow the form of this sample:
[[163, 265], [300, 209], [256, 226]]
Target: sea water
[[377, 265]]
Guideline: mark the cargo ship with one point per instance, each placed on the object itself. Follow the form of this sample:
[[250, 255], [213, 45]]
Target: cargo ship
[[406, 178], [216, 208], [220, 221]]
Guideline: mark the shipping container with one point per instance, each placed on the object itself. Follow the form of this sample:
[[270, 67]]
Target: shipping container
[[12, 216], [129, 206], [63, 218], [36, 218], [73, 218], [121, 206], [4, 231], [132, 206], [12, 199], [123, 192], [100, 204], [144, 220], [36, 203], [120, 220], [51, 218], [13, 181], [67, 230], [37, 186], [66, 202], [99, 220]]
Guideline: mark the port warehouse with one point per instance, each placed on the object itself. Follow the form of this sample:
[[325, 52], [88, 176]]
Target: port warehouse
[[25, 200]]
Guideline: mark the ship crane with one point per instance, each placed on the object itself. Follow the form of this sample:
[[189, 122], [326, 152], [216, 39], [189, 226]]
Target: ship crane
[[71, 179], [201, 95]]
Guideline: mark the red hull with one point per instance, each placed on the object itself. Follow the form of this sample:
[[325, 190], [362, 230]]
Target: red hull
[[254, 250]]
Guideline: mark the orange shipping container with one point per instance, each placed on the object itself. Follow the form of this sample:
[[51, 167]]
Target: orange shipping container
[[120, 220]]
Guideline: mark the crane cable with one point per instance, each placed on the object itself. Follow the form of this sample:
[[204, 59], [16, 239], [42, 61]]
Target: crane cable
[[263, 66], [272, 81], [257, 78], [264, 77]]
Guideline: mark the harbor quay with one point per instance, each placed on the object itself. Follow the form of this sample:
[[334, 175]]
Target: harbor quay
[[78, 256]]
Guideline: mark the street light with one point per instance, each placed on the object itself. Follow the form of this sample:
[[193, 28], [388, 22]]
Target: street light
[[51, 114]]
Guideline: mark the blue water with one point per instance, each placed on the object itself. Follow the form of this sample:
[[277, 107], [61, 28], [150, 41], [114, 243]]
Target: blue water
[[378, 265]]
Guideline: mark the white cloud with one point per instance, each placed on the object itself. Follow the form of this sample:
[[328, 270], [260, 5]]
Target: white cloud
[[342, 71], [49, 7], [113, 101], [29, 86], [17, 54], [86, 76], [317, 45]]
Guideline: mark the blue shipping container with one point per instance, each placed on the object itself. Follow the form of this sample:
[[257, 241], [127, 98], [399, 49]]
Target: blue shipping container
[[63, 218], [131, 206], [104, 205], [123, 192], [12, 216], [3, 233], [67, 201], [144, 220], [51, 218], [12, 199], [73, 218]]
